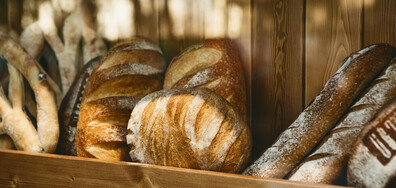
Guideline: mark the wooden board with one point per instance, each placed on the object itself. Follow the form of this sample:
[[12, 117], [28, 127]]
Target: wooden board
[[379, 22], [23, 169], [333, 31], [277, 61]]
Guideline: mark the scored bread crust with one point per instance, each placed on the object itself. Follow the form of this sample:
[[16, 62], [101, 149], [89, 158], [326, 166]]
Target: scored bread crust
[[215, 65], [328, 161], [190, 128], [128, 72], [357, 71], [372, 162]]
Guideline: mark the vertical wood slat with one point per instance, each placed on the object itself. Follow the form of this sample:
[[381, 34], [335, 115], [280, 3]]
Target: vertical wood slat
[[333, 31], [146, 19], [244, 43], [3, 13], [277, 63], [15, 15], [379, 22]]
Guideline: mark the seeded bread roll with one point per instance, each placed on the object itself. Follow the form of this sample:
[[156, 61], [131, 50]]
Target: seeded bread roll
[[356, 73], [328, 162], [215, 65], [128, 72], [190, 128], [373, 158]]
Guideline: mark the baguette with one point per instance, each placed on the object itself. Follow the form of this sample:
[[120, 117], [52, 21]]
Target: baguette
[[128, 72], [357, 71], [70, 109], [215, 65], [15, 122], [373, 158], [327, 163], [190, 128]]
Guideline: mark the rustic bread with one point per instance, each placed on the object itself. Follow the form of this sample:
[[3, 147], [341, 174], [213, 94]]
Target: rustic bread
[[215, 65], [128, 72], [322, 114], [190, 128], [373, 161], [329, 160], [70, 109]]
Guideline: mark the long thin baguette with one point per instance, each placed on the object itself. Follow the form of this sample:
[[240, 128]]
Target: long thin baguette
[[326, 164], [318, 118]]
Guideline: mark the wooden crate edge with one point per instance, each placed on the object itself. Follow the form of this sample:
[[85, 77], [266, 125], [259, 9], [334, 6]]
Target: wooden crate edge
[[24, 169]]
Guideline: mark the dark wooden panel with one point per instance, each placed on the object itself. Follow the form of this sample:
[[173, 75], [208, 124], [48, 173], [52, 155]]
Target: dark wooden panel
[[379, 22], [277, 76], [14, 15], [333, 31], [3, 13], [146, 19]]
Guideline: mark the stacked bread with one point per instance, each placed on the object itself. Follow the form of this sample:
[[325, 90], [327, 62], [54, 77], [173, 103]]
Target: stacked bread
[[332, 107]]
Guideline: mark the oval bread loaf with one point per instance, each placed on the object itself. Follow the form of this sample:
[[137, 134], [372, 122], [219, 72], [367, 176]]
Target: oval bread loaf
[[215, 65], [128, 72], [326, 164], [356, 73], [190, 128]]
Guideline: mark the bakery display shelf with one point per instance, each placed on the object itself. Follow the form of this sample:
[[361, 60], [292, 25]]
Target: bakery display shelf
[[25, 169]]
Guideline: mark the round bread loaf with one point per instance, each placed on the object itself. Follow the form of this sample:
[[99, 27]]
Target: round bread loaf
[[190, 128], [214, 65]]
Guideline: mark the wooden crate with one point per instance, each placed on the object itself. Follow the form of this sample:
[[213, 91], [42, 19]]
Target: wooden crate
[[23, 169], [289, 49]]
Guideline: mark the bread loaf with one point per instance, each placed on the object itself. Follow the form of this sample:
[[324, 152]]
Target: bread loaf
[[128, 72], [190, 128], [357, 71], [215, 65], [373, 158], [327, 162], [70, 109]]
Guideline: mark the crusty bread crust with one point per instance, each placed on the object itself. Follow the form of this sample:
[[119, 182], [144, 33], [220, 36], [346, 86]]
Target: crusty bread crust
[[372, 162], [70, 109], [190, 128], [327, 163], [128, 72], [215, 65], [322, 114]]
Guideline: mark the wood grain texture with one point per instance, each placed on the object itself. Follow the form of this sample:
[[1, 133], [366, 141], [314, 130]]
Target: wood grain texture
[[23, 169], [333, 31], [277, 61], [146, 19], [379, 22]]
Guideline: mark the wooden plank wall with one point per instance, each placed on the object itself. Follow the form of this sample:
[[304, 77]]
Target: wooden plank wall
[[277, 79], [289, 48]]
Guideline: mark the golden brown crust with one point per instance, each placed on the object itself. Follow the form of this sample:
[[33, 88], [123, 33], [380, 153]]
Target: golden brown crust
[[328, 161], [70, 109], [215, 65], [123, 76], [190, 128], [318, 118], [16, 123]]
